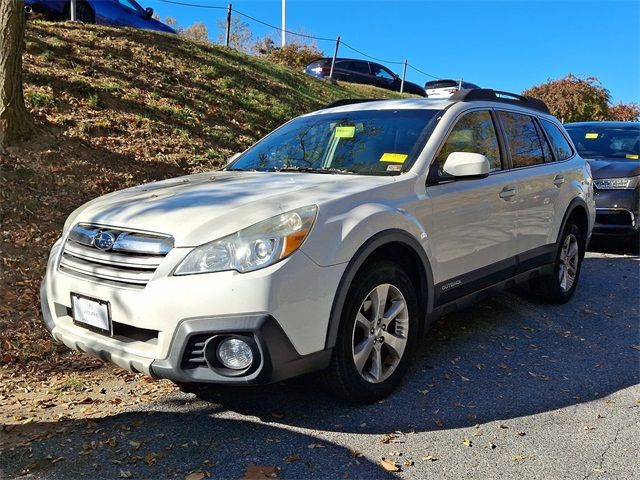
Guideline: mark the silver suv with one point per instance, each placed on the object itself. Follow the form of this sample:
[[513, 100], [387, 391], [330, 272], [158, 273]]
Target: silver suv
[[330, 244]]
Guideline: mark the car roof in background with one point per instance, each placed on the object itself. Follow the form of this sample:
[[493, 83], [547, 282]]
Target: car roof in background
[[446, 83], [603, 123]]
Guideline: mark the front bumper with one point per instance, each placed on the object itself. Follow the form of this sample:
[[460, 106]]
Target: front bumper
[[617, 212], [285, 308]]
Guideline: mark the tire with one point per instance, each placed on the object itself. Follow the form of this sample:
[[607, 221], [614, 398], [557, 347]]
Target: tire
[[558, 288], [376, 369]]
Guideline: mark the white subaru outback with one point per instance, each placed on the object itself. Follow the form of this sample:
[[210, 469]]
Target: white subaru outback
[[331, 244]]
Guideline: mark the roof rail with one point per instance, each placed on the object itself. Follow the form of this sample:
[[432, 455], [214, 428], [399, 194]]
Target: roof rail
[[350, 101], [499, 96]]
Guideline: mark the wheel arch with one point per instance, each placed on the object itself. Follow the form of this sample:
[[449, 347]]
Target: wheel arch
[[400, 247], [578, 212]]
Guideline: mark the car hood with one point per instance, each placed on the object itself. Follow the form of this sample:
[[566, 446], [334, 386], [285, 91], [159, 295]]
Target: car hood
[[614, 168], [198, 208]]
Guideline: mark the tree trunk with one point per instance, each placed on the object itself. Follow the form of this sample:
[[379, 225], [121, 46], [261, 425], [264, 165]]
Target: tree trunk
[[15, 121]]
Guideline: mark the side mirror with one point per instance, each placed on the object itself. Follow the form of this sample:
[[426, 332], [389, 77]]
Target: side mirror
[[466, 165], [232, 158], [148, 12]]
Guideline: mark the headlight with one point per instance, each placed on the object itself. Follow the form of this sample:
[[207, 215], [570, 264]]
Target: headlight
[[255, 247], [625, 183]]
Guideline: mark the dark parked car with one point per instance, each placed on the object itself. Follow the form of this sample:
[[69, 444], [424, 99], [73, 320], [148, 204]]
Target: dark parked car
[[362, 71], [446, 87], [613, 151], [115, 13]]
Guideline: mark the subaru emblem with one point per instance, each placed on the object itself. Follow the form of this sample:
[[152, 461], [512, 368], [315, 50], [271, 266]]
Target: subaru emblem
[[104, 240]]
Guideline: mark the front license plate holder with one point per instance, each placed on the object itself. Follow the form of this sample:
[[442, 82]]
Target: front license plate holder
[[91, 313]]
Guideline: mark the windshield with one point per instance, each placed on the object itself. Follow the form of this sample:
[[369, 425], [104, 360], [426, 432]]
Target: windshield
[[617, 142], [372, 142]]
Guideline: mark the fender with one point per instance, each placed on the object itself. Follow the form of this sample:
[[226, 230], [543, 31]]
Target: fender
[[575, 203], [358, 259]]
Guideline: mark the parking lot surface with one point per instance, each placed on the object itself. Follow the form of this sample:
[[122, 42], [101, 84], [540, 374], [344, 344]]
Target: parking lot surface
[[509, 388]]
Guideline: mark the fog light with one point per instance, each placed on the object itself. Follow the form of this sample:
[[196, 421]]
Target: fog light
[[235, 354]]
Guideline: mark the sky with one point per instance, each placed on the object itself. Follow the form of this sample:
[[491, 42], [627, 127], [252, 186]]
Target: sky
[[506, 45]]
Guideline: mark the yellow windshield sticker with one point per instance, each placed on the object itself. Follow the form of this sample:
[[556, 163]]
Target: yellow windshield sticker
[[591, 135], [345, 132], [393, 157], [631, 156]]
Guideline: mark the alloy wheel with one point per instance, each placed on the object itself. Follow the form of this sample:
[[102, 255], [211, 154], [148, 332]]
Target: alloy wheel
[[569, 258], [380, 333]]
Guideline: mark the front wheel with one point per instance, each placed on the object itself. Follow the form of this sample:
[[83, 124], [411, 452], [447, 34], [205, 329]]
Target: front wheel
[[561, 284], [377, 334]]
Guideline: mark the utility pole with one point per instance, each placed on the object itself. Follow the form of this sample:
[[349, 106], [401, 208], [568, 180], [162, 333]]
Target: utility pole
[[72, 10], [284, 23]]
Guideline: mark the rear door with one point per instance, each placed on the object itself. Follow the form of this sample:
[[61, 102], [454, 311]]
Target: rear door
[[537, 180], [353, 71], [472, 224]]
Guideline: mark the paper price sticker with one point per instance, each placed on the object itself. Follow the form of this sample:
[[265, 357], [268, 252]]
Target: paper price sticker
[[591, 135], [345, 132], [393, 157], [631, 156]]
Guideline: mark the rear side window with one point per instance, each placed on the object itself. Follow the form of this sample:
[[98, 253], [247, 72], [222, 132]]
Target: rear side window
[[360, 67], [522, 139], [561, 148], [473, 133]]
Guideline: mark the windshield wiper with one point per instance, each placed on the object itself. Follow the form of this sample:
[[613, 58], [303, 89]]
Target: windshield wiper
[[312, 170]]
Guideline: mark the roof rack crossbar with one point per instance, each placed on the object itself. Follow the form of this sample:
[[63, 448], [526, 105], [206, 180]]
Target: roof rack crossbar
[[500, 96]]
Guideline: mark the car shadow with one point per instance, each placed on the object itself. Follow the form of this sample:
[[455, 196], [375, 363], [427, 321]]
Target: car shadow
[[171, 444], [503, 358]]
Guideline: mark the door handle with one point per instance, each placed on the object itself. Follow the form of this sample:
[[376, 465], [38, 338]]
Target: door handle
[[559, 180], [507, 193]]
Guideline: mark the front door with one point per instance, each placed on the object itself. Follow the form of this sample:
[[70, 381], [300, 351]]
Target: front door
[[472, 223]]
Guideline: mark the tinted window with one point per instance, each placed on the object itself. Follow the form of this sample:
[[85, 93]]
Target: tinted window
[[360, 67], [606, 141], [546, 148], [441, 84], [374, 142], [475, 133], [522, 139], [561, 148], [381, 72]]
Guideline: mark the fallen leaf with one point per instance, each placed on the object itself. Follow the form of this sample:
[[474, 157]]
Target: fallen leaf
[[126, 474], [389, 465], [292, 458], [151, 458], [429, 458], [56, 460], [408, 463], [517, 458], [259, 472], [199, 475], [135, 444], [315, 445], [466, 441]]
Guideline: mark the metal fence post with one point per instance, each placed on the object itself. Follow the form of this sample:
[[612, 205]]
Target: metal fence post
[[404, 74], [72, 10], [335, 54], [228, 34]]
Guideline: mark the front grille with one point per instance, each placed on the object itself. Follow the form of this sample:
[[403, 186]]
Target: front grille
[[127, 258], [194, 352]]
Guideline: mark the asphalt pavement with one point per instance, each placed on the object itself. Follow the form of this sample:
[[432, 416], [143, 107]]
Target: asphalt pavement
[[509, 388]]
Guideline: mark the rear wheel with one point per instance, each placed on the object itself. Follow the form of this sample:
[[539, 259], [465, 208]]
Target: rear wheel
[[561, 284], [377, 334]]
